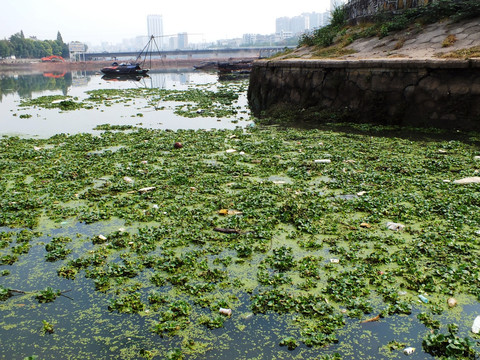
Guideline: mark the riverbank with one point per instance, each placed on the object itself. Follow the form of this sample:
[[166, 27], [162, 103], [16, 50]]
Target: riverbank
[[441, 40], [28, 65], [412, 77]]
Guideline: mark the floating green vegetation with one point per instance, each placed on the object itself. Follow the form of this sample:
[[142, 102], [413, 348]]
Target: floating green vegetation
[[198, 101], [215, 225], [449, 346]]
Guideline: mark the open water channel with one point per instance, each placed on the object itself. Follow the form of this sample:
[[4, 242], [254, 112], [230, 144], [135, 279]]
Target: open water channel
[[84, 328], [48, 122]]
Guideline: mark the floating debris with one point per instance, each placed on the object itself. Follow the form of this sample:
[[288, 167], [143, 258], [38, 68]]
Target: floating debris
[[226, 312], [229, 151], [409, 350], [127, 179], [365, 225], [395, 226], [452, 302], [423, 299], [227, 231], [178, 145], [229, 212], [322, 161], [476, 325], [468, 180], [375, 318], [146, 189], [334, 261]]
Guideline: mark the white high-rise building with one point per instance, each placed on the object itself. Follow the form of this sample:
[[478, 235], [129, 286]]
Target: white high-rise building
[[155, 25]]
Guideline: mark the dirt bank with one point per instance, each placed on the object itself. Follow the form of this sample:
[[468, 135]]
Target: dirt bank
[[416, 42]]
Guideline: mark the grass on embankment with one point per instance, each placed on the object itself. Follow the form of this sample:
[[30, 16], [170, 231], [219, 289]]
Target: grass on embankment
[[332, 40]]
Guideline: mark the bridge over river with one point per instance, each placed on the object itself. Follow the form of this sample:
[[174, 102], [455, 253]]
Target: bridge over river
[[239, 52]]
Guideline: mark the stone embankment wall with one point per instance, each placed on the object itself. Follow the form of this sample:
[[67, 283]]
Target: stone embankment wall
[[435, 93], [364, 10]]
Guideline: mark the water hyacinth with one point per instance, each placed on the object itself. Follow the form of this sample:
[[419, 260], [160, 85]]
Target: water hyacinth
[[130, 222]]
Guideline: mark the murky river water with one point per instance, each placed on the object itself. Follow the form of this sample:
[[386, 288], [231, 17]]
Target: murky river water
[[48, 122], [84, 329]]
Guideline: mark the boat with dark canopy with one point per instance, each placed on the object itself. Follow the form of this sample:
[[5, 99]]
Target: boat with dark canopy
[[124, 69], [135, 69]]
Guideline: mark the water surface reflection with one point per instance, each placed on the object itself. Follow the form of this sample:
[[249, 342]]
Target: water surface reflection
[[16, 121]]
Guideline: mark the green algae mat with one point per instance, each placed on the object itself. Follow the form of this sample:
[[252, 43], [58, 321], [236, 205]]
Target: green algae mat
[[333, 243]]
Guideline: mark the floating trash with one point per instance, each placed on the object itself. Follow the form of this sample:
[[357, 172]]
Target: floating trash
[[452, 302], [365, 225], [476, 325], [229, 151], [395, 226], [322, 161], [127, 179], [423, 298], [409, 350], [229, 212], [468, 180], [101, 237], [146, 189], [227, 312], [334, 261], [178, 145], [361, 193]]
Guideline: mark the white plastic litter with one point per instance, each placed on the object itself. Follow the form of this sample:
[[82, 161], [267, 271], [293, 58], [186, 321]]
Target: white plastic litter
[[323, 161], [227, 312], [476, 325], [468, 180], [395, 226], [409, 350]]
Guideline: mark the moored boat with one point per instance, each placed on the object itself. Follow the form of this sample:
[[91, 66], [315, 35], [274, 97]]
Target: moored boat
[[124, 69], [235, 66]]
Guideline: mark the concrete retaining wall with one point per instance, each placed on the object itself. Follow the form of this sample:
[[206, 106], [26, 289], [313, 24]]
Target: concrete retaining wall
[[435, 93]]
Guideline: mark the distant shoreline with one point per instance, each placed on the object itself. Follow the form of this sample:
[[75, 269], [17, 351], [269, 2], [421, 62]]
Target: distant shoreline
[[9, 65]]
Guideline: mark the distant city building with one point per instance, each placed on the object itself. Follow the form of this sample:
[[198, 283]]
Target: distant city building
[[282, 24], [182, 40], [300, 24], [155, 27], [249, 39]]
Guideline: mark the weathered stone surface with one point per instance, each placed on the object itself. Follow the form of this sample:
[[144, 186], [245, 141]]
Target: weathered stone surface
[[435, 93]]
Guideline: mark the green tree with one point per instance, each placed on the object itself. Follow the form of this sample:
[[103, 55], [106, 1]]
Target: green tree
[[5, 49]]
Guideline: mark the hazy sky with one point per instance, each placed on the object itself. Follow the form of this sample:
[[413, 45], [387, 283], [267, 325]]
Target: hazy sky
[[96, 21]]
